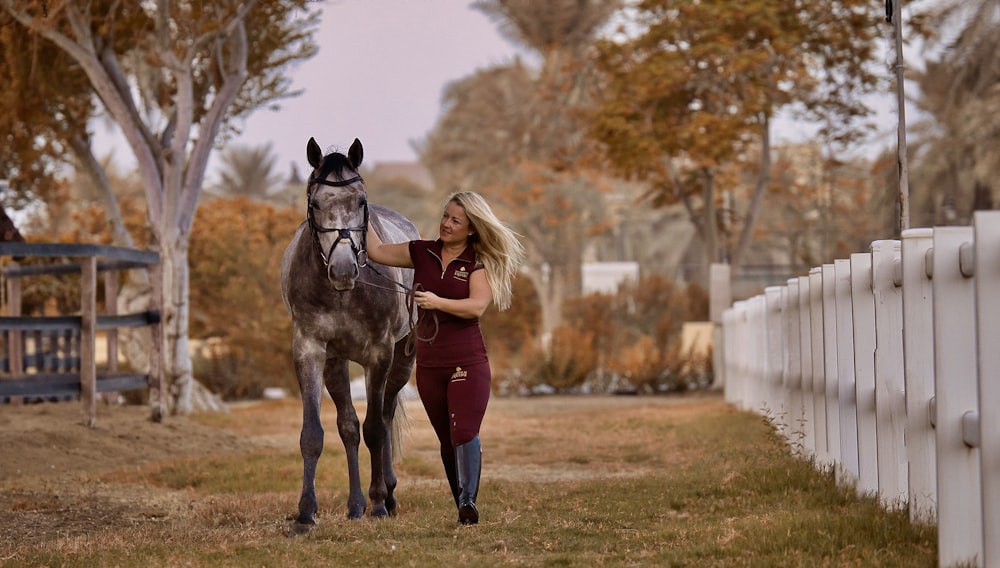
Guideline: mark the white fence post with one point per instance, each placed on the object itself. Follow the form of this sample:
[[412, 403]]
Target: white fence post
[[757, 332], [960, 510], [735, 386], [863, 308], [987, 260], [731, 355], [890, 400], [793, 367], [831, 378], [818, 372], [805, 352], [775, 353], [918, 364], [719, 299], [848, 474]]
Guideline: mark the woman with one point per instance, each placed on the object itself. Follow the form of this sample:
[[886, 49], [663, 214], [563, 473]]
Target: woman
[[456, 277]]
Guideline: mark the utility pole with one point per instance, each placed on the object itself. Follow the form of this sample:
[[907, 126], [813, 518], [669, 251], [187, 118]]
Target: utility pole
[[894, 11]]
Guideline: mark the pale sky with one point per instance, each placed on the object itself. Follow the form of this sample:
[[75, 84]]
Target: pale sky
[[381, 69], [378, 76]]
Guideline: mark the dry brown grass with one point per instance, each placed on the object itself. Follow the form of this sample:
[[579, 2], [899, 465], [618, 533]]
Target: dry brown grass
[[567, 481]]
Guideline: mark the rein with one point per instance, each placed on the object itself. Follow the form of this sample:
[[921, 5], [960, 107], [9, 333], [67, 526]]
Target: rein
[[413, 323]]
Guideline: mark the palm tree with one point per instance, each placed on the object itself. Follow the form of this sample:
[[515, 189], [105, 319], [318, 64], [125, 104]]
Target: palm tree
[[512, 132], [955, 148], [247, 171]]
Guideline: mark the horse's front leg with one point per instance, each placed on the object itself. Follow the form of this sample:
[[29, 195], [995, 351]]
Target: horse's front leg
[[336, 374], [309, 356], [399, 375], [376, 434]]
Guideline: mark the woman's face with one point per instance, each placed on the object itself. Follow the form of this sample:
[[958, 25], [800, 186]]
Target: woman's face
[[455, 227]]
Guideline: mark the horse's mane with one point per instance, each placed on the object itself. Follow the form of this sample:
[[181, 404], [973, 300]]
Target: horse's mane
[[334, 162]]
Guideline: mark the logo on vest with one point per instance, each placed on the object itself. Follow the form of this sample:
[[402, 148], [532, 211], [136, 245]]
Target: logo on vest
[[459, 374], [461, 274]]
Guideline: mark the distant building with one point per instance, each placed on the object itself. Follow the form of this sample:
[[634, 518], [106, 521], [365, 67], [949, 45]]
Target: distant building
[[605, 277]]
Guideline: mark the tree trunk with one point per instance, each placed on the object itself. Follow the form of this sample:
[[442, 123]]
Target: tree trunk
[[177, 358], [753, 210], [709, 221], [134, 297], [551, 284]]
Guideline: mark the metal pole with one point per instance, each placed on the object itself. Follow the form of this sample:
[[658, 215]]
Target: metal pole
[[904, 184]]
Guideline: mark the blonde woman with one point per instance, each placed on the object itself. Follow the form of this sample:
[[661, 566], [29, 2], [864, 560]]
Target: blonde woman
[[456, 277]]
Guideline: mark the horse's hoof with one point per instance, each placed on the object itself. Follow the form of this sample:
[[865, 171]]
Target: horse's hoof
[[379, 512], [356, 513], [390, 505]]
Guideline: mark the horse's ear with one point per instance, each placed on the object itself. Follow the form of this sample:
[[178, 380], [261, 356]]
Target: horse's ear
[[356, 154], [313, 153]]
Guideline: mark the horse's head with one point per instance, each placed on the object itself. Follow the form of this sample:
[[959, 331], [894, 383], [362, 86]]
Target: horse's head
[[338, 212]]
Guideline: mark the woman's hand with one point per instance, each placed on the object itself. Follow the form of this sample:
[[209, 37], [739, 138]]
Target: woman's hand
[[472, 307], [426, 300]]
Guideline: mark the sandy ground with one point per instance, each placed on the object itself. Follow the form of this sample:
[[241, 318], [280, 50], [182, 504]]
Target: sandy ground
[[50, 461], [53, 468]]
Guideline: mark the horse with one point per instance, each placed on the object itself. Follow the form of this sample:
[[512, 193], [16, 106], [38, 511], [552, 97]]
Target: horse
[[345, 308]]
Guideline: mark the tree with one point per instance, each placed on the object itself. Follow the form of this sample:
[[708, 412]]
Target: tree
[[955, 162], [824, 208], [47, 102], [174, 76], [233, 295], [535, 165], [247, 171], [691, 86]]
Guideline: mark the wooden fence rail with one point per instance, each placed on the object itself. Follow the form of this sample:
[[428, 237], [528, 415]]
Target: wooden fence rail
[[886, 367], [56, 356]]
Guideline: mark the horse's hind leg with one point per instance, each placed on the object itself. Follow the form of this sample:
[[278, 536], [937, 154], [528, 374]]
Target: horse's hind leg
[[336, 374]]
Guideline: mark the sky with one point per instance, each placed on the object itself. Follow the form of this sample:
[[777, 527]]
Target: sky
[[391, 60], [379, 76], [380, 73]]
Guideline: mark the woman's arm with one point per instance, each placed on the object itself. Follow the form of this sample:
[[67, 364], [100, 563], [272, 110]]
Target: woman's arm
[[472, 307], [394, 254]]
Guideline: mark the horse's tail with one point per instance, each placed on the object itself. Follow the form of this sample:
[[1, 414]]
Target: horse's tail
[[400, 424]]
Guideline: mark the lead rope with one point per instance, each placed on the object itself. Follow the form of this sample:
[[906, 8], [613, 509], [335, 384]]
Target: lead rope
[[412, 322]]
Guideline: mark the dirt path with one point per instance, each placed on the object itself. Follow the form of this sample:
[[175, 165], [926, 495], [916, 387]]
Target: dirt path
[[50, 463], [53, 468]]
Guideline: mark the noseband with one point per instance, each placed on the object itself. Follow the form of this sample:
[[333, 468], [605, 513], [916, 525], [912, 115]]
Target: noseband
[[343, 234]]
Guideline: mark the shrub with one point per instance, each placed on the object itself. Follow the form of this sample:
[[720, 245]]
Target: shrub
[[622, 341]]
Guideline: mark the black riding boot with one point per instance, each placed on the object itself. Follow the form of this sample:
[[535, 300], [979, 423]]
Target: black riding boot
[[448, 459], [469, 458]]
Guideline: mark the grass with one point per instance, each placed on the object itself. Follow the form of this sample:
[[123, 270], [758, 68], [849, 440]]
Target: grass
[[597, 481]]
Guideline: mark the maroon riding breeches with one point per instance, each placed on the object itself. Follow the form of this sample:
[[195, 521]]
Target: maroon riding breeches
[[455, 399]]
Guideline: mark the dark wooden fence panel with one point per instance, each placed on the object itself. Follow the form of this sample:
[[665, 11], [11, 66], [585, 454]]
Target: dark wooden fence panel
[[56, 356]]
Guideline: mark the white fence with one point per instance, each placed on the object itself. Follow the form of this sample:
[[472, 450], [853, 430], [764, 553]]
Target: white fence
[[886, 367]]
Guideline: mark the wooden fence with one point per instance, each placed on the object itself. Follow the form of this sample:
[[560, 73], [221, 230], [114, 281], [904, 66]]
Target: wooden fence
[[56, 356], [886, 367]]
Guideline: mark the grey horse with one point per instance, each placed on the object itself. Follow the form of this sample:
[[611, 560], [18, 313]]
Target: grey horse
[[345, 308]]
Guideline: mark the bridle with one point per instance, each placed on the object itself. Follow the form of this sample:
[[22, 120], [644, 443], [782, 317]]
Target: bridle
[[343, 233]]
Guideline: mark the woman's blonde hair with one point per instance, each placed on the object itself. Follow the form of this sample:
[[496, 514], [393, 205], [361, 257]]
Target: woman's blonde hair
[[496, 245]]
